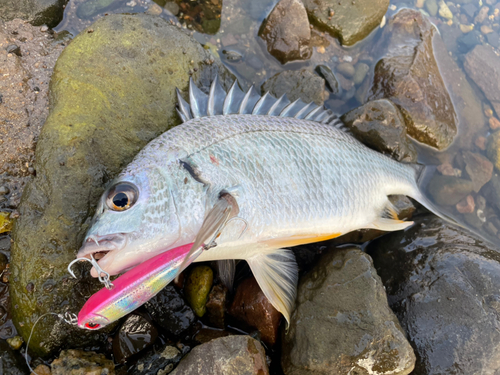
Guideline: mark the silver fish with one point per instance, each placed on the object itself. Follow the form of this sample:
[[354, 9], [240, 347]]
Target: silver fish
[[294, 174]]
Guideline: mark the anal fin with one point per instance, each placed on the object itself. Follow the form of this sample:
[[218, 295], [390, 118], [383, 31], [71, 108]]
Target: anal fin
[[277, 274]]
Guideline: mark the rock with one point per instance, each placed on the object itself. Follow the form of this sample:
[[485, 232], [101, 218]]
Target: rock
[[41, 370], [90, 8], [342, 323], [493, 149], [449, 190], [5, 222], [494, 123], [216, 306], [444, 10], [135, 335], [380, 125], [409, 76], [482, 15], [432, 7], [79, 362], [169, 310], [468, 41], [346, 69], [286, 32], [4, 190], [208, 334], [157, 362], [331, 81], [197, 287], [15, 342], [351, 22], [478, 168], [296, 84], [251, 306], [231, 355], [483, 67], [15, 49], [467, 205], [96, 125], [11, 362], [37, 12], [360, 73], [443, 284]]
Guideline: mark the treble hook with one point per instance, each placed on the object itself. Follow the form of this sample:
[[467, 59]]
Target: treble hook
[[100, 272]]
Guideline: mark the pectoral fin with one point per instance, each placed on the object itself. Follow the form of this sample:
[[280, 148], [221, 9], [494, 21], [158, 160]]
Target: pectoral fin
[[277, 275], [389, 224]]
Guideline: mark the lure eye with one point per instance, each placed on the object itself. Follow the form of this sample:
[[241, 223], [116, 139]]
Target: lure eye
[[122, 196], [90, 325]]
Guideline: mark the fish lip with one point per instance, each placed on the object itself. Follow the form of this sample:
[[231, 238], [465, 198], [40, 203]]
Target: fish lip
[[97, 244]]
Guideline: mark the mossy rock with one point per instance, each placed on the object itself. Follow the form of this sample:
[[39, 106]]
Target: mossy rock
[[493, 149], [112, 91], [197, 287]]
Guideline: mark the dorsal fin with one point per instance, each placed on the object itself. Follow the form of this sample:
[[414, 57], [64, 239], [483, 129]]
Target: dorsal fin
[[237, 102]]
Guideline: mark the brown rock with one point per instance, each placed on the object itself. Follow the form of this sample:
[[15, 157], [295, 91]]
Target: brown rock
[[481, 142], [251, 306], [494, 123], [446, 169], [449, 190], [479, 169], [481, 16], [466, 205], [41, 370], [483, 67], [216, 306], [287, 33], [409, 76], [79, 362]]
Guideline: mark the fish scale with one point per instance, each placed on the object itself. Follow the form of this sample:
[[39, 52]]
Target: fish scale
[[291, 181]]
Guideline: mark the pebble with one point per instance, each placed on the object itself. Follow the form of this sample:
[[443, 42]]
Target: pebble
[[494, 123], [360, 72], [420, 3], [481, 142], [5, 222], [486, 29], [432, 7], [466, 28], [446, 169], [41, 370], [197, 287], [488, 112], [466, 205], [44, 28], [15, 49], [483, 13], [346, 69], [444, 10], [15, 342], [4, 190]]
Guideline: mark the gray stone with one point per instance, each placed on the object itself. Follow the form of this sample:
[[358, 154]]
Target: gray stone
[[37, 12], [300, 84], [157, 362], [351, 21], [287, 33], [231, 355], [409, 76], [331, 81], [346, 69], [483, 67], [449, 190], [380, 125], [342, 323], [443, 284]]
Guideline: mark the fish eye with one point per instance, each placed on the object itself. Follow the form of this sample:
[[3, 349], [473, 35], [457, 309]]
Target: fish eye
[[122, 196], [90, 325]]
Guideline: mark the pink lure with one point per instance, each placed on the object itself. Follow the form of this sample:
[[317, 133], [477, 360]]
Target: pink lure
[[133, 288]]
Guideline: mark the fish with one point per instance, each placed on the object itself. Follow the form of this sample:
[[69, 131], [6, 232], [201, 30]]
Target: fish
[[269, 173]]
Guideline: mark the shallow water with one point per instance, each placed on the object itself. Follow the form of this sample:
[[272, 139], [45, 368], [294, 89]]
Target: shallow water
[[230, 30]]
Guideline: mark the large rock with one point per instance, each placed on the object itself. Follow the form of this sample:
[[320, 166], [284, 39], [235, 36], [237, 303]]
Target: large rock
[[342, 323], [287, 33], [37, 12], [231, 355], [443, 284], [112, 91], [409, 76], [380, 125], [350, 21], [79, 362], [482, 65], [301, 84]]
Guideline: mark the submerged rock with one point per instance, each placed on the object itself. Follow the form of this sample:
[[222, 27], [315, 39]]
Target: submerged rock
[[113, 90], [135, 335], [157, 362], [79, 362], [301, 84], [37, 12], [349, 21], [252, 306], [380, 125], [342, 323], [449, 190], [332, 82], [493, 149], [443, 284], [409, 76], [286, 32], [478, 168], [231, 355]]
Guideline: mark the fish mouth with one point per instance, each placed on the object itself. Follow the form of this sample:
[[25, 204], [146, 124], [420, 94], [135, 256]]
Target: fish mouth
[[103, 249]]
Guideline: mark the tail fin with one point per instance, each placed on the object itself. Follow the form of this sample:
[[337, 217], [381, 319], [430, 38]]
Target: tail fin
[[423, 177]]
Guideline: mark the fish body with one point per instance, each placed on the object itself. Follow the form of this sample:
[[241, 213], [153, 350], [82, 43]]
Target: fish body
[[296, 176]]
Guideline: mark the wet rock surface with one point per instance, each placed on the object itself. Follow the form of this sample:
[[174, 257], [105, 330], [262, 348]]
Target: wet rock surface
[[79, 362], [445, 295], [95, 127], [24, 88], [11, 362], [287, 33], [169, 310], [342, 323], [301, 84], [409, 76], [157, 362], [350, 22], [232, 355], [135, 335], [251, 306], [449, 190], [380, 125], [483, 67], [216, 306], [37, 12]]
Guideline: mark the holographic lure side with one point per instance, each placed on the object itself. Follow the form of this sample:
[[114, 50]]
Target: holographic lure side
[[133, 289]]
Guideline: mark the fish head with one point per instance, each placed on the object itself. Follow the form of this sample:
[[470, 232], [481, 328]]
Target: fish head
[[135, 220]]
